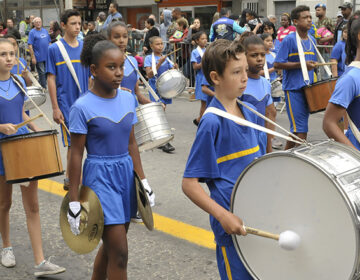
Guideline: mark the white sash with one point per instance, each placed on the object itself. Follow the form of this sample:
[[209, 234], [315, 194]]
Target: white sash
[[266, 71], [68, 63], [200, 51], [304, 70], [153, 63]]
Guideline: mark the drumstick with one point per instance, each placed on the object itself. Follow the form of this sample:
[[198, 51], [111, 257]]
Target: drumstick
[[172, 52], [288, 239], [325, 63], [64, 125], [28, 121]]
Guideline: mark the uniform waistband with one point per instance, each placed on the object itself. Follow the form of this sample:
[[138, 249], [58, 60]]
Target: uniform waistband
[[114, 157]]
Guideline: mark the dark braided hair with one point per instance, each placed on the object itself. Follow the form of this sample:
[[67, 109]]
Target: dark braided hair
[[93, 49], [352, 41]]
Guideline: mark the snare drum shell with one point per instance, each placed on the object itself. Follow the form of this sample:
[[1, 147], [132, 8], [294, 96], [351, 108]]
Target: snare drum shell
[[318, 94], [314, 191], [171, 83], [31, 156]]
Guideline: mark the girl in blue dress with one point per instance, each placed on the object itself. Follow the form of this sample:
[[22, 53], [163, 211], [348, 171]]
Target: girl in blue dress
[[200, 39], [118, 34], [345, 98], [12, 99], [102, 121]]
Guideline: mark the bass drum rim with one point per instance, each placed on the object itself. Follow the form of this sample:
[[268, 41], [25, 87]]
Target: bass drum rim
[[345, 198]]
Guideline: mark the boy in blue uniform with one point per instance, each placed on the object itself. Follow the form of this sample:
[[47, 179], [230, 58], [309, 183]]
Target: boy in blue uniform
[[63, 89], [158, 63], [287, 59], [221, 150], [258, 89], [345, 98]]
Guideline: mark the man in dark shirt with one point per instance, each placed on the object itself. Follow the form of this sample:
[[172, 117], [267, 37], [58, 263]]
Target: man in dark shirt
[[346, 10]]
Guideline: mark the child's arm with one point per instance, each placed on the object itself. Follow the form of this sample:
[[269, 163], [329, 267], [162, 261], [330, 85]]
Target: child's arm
[[141, 98], [270, 112], [231, 223], [148, 69], [8, 128], [334, 67], [207, 91], [135, 155], [196, 66]]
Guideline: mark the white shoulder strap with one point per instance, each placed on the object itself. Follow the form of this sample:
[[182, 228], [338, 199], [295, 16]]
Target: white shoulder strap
[[266, 71], [68, 63], [327, 69], [244, 122], [304, 70]]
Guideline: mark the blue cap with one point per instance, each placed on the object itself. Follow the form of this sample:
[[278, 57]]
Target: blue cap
[[320, 6]]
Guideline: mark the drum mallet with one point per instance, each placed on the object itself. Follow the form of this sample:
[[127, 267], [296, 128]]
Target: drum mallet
[[288, 239], [28, 121]]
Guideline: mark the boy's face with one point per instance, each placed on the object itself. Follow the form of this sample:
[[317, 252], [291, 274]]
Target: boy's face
[[304, 21], [73, 26], [255, 55], [91, 26], [233, 81], [157, 46]]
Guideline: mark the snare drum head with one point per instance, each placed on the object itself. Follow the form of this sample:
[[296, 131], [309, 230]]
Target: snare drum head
[[171, 83], [284, 192]]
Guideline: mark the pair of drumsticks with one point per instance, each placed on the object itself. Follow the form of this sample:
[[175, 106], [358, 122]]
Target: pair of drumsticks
[[36, 117]]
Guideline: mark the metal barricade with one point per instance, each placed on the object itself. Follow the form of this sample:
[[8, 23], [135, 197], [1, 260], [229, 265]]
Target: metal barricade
[[325, 51]]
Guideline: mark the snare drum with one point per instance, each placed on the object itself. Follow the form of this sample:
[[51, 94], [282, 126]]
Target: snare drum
[[318, 94], [314, 191], [31, 156], [37, 95], [152, 129], [171, 83]]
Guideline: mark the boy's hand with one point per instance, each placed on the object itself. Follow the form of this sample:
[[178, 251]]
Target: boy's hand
[[162, 59], [232, 224], [310, 64]]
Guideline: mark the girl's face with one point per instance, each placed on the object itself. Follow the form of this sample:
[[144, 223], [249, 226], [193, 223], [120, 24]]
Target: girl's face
[[268, 42], [119, 36], [284, 21], [202, 41], [255, 55], [7, 57], [110, 70], [157, 46], [268, 29], [197, 23], [345, 34]]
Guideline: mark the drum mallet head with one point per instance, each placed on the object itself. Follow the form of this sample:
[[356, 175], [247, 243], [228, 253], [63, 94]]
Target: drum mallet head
[[288, 240]]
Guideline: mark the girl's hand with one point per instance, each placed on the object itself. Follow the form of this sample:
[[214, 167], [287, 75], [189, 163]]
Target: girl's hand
[[232, 224], [8, 128]]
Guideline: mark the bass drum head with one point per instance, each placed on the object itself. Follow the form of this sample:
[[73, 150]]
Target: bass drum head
[[282, 192]]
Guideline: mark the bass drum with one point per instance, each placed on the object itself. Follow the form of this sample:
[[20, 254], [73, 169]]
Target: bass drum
[[314, 191]]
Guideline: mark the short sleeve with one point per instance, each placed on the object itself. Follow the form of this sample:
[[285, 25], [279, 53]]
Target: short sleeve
[[283, 52], [137, 67], [193, 56], [267, 86], [135, 120], [336, 52], [345, 91], [78, 123], [202, 162], [31, 38], [50, 61], [147, 62]]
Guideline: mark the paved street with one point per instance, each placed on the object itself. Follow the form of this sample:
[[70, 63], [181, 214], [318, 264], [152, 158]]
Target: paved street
[[152, 255]]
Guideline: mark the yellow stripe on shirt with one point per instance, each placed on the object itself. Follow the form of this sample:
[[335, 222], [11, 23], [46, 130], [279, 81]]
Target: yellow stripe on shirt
[[238, 154], [227, 264], [293, 54], [63, 62]]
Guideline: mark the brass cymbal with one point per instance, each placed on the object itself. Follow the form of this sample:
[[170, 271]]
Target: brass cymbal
[[143, 203], [91, 222]]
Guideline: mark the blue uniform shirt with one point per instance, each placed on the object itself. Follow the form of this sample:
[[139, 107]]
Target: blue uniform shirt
[[338, 53], [288, 52], [67, 90], [270, 59], [346, 95], [258, 93], [39, 39], [221, 151], [166, 65], [195, 57], [225, 28], [130, 75], [107, 122]]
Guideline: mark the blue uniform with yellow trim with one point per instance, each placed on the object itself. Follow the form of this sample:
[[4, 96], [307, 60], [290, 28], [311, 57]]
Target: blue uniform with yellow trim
[[166, 65], [293, 81], [258, 93], [346, 95], [221, 151], [11, 108], [108, 168], [195, 57], [66, 88], [130, 76]]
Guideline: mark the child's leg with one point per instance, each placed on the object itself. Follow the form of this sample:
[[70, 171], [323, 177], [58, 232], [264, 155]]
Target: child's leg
[[202, 109], [31, 207], [101, 262], [5, 205]]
